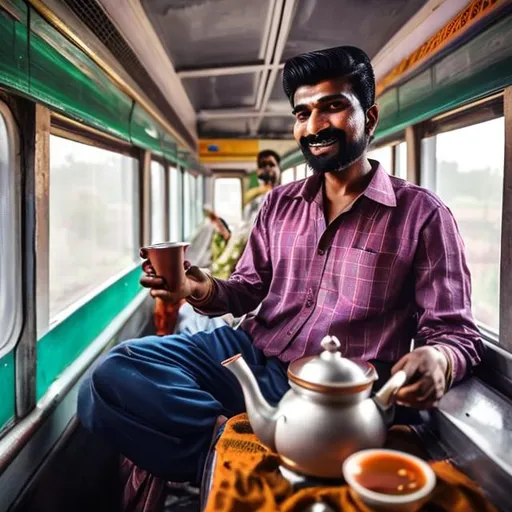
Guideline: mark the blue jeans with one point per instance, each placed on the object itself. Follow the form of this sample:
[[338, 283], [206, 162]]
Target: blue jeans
[[157, 399]]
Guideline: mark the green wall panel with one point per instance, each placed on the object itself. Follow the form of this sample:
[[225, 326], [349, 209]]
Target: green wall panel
[[65, 342], [63, 77], [7, 389], [169, 146], [13, 46], [478, 68], [145, 131]]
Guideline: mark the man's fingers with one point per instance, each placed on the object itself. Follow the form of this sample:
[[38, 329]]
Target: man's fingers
[[152, 282], [408, 364], [414, 390], [143, 253], [163, 294], [147, 268]]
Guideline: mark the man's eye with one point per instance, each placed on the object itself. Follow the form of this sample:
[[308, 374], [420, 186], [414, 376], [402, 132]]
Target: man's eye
[[336, 105], [301, 116]]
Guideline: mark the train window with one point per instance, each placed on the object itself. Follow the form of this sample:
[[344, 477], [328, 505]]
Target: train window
[[383, 155], [10, 273], [469, 180], [192, 200], [401, 160], [300, 172], [187, 207], [228, 200], [287, 176], [309, 171], [175, 201], [199, 198], [157, 203], [93, 207]]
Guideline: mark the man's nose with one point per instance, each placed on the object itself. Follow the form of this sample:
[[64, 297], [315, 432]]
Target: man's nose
[[316, 123]]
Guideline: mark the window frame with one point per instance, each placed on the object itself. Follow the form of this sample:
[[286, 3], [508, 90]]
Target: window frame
[[15, 167], [63, 127], [393, 141], [463, 117]]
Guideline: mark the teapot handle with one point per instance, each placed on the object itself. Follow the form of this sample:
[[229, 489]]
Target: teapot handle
[[384, 397]]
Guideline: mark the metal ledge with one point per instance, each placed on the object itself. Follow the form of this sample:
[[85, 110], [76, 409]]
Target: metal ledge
[[474, 423], [15, 440]]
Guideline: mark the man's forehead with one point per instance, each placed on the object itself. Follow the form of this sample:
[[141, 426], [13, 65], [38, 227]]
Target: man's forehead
[[309, 94]]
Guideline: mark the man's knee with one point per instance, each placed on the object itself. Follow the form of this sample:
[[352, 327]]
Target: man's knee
[[104, 382]]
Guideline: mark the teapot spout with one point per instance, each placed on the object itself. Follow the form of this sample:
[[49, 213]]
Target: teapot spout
[[384, 398], [262, 416]]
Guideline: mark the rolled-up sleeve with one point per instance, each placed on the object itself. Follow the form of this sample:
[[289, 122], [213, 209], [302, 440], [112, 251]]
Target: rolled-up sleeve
[[249, 284], [443, 294]]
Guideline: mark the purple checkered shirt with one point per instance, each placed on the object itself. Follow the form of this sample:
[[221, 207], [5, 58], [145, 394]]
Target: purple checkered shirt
[[390, 269]]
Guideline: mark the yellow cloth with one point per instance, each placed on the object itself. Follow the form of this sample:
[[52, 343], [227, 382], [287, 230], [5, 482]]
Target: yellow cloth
[[247, 478], [254, 192]]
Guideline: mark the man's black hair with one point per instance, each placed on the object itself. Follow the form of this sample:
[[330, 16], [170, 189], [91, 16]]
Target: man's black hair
[[268, 152], [342, 61]]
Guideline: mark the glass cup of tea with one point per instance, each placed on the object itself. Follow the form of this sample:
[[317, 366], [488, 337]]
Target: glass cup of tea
[[389, 479], [168, 258]]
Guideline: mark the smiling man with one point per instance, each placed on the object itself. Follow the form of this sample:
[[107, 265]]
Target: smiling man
[[350, 252]]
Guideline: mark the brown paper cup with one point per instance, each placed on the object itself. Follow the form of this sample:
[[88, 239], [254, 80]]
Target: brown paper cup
[[167, 259]]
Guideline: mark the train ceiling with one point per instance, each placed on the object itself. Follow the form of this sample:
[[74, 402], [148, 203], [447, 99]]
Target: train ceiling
[[229, 54]]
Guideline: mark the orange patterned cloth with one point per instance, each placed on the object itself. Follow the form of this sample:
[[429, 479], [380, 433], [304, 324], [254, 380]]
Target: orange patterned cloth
[[165, 316], [246, 478]]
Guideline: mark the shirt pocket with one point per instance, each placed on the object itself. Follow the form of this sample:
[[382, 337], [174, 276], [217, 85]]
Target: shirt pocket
[[369, 279]]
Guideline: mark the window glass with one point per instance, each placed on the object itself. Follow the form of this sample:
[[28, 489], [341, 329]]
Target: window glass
[[157, 203], [193, 199], [383, 155], [187, 227], [93, 219], [469, 179], [199, 199], [10, 273], [287, 176], [401, 160], [228, 200], [300, 171], [175, 201]]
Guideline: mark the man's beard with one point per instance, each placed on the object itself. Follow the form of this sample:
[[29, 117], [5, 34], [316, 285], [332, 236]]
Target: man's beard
[[348, 152], [267, 177]]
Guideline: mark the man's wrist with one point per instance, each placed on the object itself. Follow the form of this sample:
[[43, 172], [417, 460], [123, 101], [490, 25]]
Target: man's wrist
[[203, 294], [449, 364]]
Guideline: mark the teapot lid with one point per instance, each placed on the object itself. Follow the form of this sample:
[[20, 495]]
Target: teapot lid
[[331, 372]]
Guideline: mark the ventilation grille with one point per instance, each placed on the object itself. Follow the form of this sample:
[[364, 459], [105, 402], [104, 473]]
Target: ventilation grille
[[93, 16]]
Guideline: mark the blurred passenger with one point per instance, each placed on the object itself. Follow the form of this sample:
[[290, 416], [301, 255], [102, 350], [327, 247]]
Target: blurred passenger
[[350, 251], [190, 321]]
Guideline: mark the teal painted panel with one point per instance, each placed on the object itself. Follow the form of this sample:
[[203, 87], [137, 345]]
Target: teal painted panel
[[13, 46], [63, 77], [169, 147], [145, 131], [478, 68], [7, 389], [65, 342]]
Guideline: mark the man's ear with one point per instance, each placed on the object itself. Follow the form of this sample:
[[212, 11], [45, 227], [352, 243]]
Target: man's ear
[[372, 119]]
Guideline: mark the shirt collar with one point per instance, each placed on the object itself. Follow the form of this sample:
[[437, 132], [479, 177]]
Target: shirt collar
[[380, 189]]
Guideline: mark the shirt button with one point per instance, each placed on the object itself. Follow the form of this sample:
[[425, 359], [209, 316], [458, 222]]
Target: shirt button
[[321, 252], [309, 303]]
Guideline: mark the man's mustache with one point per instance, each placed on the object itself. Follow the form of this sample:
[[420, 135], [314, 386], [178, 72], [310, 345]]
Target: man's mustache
[[324, 135]]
